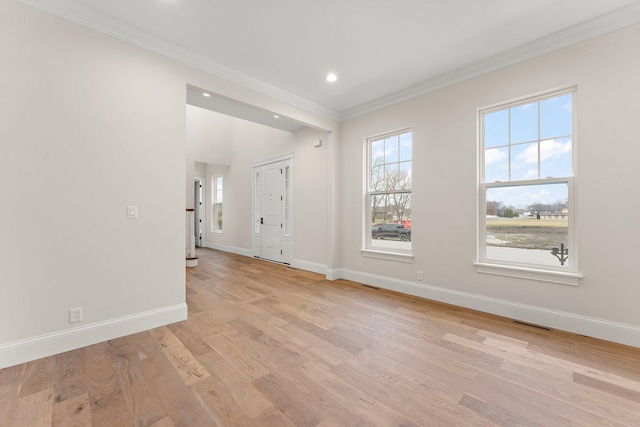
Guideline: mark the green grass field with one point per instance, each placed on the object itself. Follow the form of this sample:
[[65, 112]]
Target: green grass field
[[528, 233]]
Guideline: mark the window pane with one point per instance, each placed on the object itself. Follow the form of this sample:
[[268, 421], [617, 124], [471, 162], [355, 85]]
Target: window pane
[[377, 178], [377, 152], [391, 221], [391, 149], [555, 158], [404, 176], [391, 177], [556, 117], [496, 129], [524, 123], [390, 172], [217, 217], [405, 146], [524, 161], [496, 164], [524, 223]]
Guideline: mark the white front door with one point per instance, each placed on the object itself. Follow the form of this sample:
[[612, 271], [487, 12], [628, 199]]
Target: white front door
[[271, 216], [272, 211]]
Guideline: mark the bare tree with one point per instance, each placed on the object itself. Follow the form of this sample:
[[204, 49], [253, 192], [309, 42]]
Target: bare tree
[[394, 204]]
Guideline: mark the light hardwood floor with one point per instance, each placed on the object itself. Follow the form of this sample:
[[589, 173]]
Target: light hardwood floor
[[266, 345]]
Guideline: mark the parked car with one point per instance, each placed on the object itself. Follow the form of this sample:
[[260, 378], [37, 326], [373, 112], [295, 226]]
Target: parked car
[[391, 231]]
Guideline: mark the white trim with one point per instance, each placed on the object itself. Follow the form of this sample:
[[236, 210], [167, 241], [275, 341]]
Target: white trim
[[335, 274], [367, 249], [202, 209], [214, 202], [85, 16], [226, 248], [568, 275], [309, 266], [46, 345], [283, 156], [389, 256], [88, 17], [598, 26], [564, 278], [584, 325]]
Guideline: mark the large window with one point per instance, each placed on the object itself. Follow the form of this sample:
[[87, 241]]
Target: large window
[[216, 223], [388, 198], [526, 183]]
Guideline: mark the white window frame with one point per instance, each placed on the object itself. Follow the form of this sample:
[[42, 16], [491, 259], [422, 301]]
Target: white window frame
[[565, 275], [367, 250], [214, 201]]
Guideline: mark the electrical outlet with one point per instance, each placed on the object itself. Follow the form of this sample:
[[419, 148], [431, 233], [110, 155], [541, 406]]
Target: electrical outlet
[[419, 276], [75, 315]]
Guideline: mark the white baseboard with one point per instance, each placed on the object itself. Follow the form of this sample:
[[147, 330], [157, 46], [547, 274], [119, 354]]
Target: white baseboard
[[309, 266], [336, 274], [34, 348], [226, 248], [597, 328], [296, 263]]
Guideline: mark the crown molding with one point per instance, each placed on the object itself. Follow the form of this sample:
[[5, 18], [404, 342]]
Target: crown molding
[[97, 21], [598, 26], [87, 17]]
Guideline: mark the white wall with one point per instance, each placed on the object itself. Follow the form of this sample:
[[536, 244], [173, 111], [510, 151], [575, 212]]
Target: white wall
[[310, 203], [88, 126], [81, 117], [605, 70]]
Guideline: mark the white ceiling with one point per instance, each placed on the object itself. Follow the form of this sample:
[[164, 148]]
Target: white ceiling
[[382, 50]]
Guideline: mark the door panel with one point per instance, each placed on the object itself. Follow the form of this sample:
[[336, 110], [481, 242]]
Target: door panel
[[271, 210]]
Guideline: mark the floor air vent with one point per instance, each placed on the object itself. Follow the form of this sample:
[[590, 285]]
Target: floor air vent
[[544, 328]]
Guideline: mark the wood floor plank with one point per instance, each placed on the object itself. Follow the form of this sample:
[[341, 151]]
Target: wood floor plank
[[141, 402], [165, 422], [365, 406], [8, 402], [34, 410], [607, 387], [587, 406], [216, 398], [38, 375], [69, 375], [496, 414], [100, 377], [73, 412], [12, 374], [110, 410], [187, 366], [298, 409], [381, 391], [170, 390], [237, 357], [252, 402]]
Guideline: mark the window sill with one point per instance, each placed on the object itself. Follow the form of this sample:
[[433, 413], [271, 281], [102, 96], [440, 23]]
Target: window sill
[[217, 231], [389, 256], [561, 277]]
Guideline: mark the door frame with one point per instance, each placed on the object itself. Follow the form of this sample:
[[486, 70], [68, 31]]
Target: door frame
[[200, 211], [287, 238]]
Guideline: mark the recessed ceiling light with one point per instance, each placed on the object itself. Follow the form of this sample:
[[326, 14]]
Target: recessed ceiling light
[[206, 94], [275, 116], [331, 77]]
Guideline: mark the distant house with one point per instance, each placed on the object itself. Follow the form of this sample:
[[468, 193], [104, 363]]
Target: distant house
[[564, 214]]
